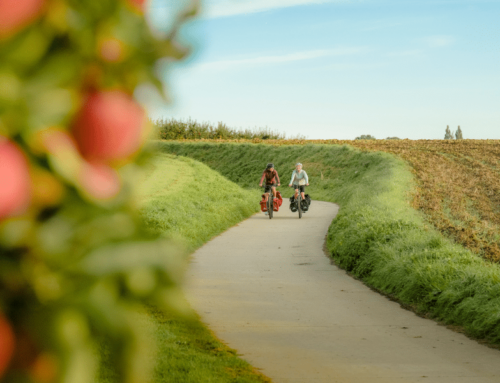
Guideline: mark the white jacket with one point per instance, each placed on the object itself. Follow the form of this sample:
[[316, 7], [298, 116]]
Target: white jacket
[[299, 178]]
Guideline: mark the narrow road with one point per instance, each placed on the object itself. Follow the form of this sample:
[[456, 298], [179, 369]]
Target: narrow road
[[266, 288]]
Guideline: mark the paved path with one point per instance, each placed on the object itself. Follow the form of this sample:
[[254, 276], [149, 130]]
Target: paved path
[[266, 288]]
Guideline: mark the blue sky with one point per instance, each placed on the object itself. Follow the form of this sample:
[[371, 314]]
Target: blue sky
[[340, 68]]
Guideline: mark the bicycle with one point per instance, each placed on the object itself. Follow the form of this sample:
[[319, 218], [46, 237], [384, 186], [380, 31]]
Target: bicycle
[[273, 203], [299, 206]]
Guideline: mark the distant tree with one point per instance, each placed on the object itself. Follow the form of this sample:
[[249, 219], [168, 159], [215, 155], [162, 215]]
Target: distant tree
[[365, 137], [448, 135], [458, 134], [393, 138]]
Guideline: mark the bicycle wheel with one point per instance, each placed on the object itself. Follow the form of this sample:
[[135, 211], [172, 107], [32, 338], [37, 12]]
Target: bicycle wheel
[[300, 205], [270, 205]]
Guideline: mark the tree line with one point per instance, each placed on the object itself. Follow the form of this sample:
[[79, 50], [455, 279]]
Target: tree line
[[448, 135]]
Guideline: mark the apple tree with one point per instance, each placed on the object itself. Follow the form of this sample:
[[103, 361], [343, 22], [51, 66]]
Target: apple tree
[[76, 264]]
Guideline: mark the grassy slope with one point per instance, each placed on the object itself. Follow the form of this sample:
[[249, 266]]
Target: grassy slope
[[377, 235], [187, 201]]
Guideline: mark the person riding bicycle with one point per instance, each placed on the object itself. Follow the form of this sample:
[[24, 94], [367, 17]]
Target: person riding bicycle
[[272, 179], [299, 181]]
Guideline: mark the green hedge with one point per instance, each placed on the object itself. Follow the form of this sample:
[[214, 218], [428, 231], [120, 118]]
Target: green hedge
[[171, 129]]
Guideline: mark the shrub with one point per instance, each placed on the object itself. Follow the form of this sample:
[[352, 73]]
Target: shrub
[[365, 137]]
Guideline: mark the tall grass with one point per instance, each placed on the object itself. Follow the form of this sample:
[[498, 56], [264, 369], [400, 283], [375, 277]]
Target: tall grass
[[377, 235], [172, 129]]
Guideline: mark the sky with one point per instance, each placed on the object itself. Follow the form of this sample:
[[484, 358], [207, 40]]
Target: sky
[[337, 69]]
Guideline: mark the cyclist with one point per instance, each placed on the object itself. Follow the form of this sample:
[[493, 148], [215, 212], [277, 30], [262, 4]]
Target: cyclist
[[299, 181], [272, 179]]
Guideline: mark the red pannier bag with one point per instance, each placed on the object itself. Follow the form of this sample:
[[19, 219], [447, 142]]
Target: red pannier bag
[[277, 201], [263, 204]]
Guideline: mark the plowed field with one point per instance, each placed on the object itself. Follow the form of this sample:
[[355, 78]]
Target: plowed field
[[458, 187]]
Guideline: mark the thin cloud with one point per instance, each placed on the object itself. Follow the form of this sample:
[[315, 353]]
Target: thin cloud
[[278, 59], [438, 41], [224, 8]]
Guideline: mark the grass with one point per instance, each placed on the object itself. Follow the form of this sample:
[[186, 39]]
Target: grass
[[187, 201], [377, 235], [190, 353]]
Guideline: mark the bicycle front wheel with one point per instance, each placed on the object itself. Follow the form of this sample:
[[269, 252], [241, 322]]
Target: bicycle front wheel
[[300, 206], [271, 209]]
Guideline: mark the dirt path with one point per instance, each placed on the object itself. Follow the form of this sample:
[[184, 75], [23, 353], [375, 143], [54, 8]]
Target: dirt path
[[266, 288]]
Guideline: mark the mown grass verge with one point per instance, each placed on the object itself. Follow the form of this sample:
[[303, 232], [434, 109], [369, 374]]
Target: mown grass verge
[[188, 202], [377, 235]]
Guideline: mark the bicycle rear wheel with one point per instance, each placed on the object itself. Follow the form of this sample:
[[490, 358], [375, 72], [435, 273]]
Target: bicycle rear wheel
[[271, 211]]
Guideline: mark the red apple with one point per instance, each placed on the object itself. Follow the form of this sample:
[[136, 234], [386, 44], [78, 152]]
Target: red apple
[[7, 342], [109, 126], [15, 184], [16, 14]]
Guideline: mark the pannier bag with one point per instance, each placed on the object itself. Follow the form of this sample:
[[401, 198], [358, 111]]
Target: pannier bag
[[305, 205], [263, 204], [308, 199], [277, 201]]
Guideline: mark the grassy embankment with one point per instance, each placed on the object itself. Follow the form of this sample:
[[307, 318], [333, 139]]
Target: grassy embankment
[[188, 202], [377, 235]]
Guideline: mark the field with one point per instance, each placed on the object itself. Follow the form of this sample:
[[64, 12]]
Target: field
[[378, 235]]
